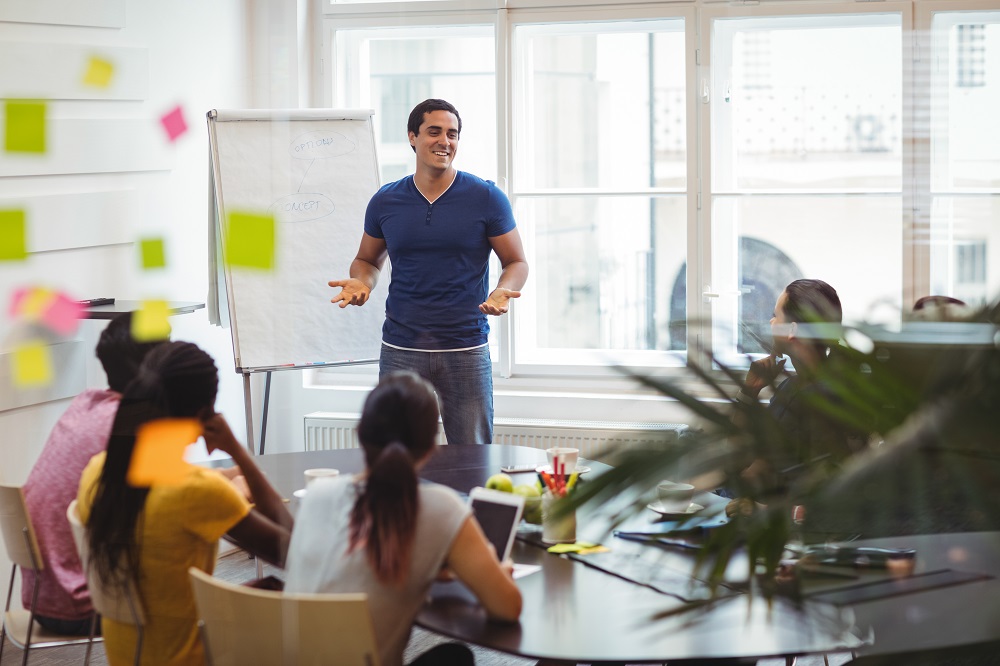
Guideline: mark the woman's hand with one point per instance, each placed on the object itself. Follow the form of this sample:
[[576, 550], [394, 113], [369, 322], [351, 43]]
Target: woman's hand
[[218, 435]]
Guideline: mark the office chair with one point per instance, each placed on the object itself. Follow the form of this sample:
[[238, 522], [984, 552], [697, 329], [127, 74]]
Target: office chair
[[243, 625], [120, 603], [22, 548]]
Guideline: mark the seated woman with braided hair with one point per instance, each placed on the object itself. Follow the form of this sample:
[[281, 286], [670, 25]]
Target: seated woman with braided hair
[[389, 535], [156, 533]]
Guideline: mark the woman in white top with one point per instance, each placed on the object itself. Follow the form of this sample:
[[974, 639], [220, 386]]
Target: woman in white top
[[389, 535]]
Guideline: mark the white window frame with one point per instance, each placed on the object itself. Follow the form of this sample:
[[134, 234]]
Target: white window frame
[[504, 15]]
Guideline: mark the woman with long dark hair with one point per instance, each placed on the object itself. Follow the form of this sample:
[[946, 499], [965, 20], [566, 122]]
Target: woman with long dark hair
[[389, 535], [156, 533]]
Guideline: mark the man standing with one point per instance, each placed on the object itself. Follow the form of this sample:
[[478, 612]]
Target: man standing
[[438, 227]]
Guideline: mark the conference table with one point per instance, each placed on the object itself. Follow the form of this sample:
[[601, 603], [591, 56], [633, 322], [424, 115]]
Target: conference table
[[576, 612]]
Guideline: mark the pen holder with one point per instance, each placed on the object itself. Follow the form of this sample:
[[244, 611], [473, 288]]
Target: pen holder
[[557, 529]]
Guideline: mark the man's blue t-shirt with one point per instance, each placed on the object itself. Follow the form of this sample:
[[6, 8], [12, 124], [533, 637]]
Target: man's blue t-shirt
[[440, 260]]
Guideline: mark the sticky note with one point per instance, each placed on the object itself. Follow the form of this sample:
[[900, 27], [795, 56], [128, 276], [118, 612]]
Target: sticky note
[[173, 123], [250, 240], [30, 302], [150, 321], [25, 126], [153, 254], [158, 456], [577, 547], [63, 314], [99, 72], [32, 365], [13, 236]]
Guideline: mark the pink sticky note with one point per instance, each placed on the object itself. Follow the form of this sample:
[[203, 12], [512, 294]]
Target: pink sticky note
[[63, 315], [30, 303], [173, 123]]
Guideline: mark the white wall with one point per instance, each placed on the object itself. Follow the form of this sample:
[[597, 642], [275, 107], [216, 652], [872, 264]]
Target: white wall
[[197, 56]]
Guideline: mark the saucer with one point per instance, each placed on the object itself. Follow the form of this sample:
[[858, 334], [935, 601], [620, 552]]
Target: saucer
[[658, 508], [580, 469], [300, 493]]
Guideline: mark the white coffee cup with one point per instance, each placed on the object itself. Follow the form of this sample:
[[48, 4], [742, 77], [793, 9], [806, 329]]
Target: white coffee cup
[[566, 455], [675, 497], [319, 473]]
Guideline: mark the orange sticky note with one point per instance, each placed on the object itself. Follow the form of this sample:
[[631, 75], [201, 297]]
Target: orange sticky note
[[158, 456], [32, 365], [99, 72], [250, 240], [150, 321]]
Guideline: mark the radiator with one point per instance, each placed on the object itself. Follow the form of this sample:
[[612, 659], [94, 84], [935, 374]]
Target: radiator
[[331, 430]]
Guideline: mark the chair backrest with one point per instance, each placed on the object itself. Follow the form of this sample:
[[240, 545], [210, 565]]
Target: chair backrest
[[121, 603], [18, 534], [244, 625]]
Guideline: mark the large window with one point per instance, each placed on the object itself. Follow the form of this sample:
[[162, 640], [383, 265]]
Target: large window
[[599, 179], [806, 163], [961, 227], [673, 166]]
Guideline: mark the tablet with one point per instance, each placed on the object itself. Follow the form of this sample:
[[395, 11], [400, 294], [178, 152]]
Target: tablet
[[498, 513]]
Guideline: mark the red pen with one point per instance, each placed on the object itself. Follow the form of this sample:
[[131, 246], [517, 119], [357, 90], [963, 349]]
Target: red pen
[[549, 482]]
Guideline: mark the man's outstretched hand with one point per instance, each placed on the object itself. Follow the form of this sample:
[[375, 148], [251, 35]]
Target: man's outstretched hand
[[352, 292], [498, 302]]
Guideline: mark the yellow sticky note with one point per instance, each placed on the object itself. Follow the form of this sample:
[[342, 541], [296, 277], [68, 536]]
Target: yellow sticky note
[[32, 365], [99, 72], [25, 126], [561, 548], [36, 302], [158, 456], [13, 236], [250, 240], [150, 322], [153, 253]]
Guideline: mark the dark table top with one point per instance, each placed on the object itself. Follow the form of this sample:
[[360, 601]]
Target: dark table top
[[577, 613], [113, 310]]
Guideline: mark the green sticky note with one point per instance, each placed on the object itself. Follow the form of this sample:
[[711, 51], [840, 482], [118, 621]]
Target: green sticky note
[[13, 235], [250, 240], [153, 254], [25, 130]]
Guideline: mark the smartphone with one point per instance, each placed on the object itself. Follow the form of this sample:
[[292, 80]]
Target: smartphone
[[498, 513]]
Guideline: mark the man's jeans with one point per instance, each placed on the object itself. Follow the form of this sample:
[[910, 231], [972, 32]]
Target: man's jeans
[[464, 384]]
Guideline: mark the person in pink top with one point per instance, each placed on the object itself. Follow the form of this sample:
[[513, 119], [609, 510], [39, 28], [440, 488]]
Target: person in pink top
[[63, 602]]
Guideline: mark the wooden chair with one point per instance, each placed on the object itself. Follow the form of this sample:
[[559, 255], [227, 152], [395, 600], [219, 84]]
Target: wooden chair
[[243, 625], [22, 548], [121, 603]]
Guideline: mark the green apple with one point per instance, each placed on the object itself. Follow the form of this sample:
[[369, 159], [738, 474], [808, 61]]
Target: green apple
[[532, 502], [501, 482]]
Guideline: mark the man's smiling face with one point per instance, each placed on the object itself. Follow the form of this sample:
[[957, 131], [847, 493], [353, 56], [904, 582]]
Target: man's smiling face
[[436, 142]]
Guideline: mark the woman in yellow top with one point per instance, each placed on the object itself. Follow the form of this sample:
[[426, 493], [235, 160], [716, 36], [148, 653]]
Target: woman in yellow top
[[161, 530]]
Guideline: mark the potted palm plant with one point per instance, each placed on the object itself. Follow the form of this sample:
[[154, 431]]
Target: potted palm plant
[[928, 396]]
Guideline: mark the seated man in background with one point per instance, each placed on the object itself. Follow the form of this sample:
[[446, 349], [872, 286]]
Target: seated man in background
[[810, 434], [63, 603]]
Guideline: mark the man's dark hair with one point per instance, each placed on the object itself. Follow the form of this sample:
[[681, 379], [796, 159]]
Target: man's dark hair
[[120, 354], [812, 301], [427, 106]]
